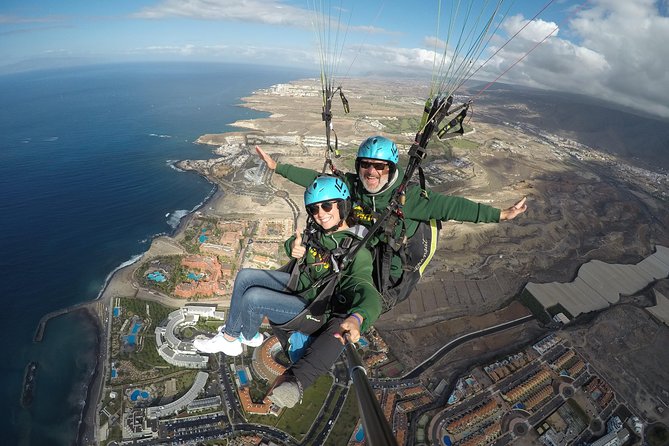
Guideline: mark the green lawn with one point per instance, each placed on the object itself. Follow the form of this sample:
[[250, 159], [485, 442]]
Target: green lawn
[[298, 420], [348, 419]]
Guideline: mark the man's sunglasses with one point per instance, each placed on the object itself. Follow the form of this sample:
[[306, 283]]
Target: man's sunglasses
[[377, 166], [326, 206]]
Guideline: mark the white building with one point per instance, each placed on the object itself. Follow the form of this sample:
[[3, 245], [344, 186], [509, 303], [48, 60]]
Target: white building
[[175, 406], [182, 353]]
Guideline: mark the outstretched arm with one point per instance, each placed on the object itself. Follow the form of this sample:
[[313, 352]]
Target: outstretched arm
[[271, 164], [514, 211]]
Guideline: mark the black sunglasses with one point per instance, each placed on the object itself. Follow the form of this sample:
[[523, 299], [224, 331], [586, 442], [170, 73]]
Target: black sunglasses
[[377, 166], [326, 206]]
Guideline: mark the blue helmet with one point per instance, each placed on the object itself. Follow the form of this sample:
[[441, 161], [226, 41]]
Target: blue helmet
[[325, 188], [379, 148]]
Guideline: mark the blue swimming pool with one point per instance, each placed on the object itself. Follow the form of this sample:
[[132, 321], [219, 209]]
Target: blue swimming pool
[[117, 311], [243, 380], [137, 394], [156, 276], [360, 435], [193, 276]]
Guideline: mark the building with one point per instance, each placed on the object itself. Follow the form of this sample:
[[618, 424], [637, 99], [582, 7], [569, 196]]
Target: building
[[206, 283], [189, 397], [613, 438], [174, 350], [264, 364]]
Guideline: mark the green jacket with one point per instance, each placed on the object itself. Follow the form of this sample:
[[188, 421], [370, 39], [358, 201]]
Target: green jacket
[[416, 208], [355, 282]]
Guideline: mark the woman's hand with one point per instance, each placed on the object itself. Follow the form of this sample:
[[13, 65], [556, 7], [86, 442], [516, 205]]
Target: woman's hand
[[271, 164], [351, 325], [296, 249]]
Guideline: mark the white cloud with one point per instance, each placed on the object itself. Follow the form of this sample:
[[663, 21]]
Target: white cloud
[[534, 31], [618, 52], [271, 12]]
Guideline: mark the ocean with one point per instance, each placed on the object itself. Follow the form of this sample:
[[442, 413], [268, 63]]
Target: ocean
[[86, 181]]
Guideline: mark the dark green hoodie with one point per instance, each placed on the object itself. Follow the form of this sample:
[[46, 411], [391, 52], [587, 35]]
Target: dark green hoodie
[[355, 282]]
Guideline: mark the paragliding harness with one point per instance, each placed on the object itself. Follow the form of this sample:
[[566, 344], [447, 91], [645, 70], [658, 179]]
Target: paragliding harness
[[328, 303], [416, 251]]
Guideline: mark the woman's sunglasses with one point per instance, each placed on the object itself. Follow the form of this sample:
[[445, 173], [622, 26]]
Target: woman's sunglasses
[[377, 166], [326, 206]]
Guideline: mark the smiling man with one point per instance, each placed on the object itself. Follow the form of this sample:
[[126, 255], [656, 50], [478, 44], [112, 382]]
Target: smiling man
[[402, 251]]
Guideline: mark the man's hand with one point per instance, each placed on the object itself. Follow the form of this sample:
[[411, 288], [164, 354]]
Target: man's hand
[[271, 164], [351, 325], [296, 249], [514, 211]]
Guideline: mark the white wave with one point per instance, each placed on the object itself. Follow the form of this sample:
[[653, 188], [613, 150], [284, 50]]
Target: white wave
[[159, 136], [150, 239], [209, 195], [176, 216], [128, 262], [50, 139], [172, 163]]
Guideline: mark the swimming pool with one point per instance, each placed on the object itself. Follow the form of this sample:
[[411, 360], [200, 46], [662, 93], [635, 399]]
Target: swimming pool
[[156, 276], [137, 394], [136, 327], [360, 435], [243, 380]]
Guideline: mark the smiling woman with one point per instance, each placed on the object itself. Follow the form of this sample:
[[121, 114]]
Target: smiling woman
[[300, 302]]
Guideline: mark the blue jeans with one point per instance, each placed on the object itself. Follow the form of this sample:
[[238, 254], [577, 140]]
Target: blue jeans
[[258, 293]]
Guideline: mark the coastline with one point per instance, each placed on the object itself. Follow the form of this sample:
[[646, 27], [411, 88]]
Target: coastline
[[119, 283], [97, 312]]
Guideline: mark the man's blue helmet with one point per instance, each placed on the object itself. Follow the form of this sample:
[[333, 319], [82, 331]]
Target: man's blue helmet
[[379, 148], [326, 188]]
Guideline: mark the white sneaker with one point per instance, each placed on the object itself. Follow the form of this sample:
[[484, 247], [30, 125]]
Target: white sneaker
[[255, 341], [287, 393], [219, 344]]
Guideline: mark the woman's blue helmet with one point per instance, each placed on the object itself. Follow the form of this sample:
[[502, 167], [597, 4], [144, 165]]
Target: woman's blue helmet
[[379, 148], [325, 188]]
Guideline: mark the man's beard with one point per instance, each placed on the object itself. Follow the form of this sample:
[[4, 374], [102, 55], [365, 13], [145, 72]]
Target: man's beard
[[382, 183]]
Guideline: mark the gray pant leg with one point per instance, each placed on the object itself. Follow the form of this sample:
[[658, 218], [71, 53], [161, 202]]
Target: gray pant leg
[[320, 355]]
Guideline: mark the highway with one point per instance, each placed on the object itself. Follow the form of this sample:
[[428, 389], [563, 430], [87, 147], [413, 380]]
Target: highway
[[429, 362]]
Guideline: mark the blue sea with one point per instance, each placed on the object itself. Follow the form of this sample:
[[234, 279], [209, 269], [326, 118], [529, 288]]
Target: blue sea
[[86, 181]]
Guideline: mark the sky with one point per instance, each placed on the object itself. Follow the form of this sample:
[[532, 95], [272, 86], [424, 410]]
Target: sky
[[615, 50]]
